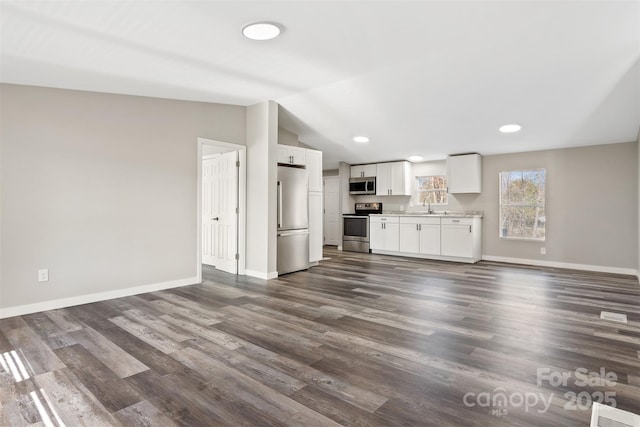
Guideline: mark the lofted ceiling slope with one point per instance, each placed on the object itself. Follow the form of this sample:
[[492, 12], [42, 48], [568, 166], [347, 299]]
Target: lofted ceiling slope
[[419, 77]]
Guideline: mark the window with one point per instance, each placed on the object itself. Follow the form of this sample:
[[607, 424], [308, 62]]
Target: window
[[431, 189], [522, 214]]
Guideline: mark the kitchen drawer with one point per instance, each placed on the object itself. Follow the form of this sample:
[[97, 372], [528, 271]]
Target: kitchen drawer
[[387, 219], [457, 221], [419, 220]]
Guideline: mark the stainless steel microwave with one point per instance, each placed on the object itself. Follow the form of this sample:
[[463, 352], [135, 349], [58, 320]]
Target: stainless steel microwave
[[362, 185]]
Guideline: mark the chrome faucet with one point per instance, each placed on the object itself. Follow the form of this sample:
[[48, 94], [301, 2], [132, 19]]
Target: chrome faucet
[[429, 208]]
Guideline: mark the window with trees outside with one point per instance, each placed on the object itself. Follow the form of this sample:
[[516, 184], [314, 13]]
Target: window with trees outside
[[522, 214], [431, 189]]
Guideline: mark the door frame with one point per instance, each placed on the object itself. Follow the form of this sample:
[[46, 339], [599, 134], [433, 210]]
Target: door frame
[[242, 202]]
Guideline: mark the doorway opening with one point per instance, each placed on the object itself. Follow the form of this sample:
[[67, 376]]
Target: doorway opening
[[221, 207]]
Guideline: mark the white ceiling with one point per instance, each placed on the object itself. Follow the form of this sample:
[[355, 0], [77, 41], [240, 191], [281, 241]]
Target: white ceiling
[[418, 77]]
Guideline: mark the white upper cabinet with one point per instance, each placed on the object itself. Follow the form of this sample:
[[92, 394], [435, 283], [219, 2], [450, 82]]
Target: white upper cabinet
[[383, 179], [290, 155], [464, 173], [393, 179], [363, 171], [314, 166]]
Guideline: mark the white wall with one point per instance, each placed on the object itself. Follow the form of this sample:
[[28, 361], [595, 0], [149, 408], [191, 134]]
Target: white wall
[[100, 189], [262, 152], [591, 207]]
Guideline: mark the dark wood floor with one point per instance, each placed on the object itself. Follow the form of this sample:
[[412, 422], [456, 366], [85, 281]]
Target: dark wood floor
[[359, 340]]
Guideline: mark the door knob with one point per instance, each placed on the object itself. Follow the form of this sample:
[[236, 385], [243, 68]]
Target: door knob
[[215, 219]]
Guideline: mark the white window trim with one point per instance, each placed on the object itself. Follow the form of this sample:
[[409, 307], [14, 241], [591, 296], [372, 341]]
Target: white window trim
[[520, 205], [423, 190]]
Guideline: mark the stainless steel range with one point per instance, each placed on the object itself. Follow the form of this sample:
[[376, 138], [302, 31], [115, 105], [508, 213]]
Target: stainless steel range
[[355, 227]]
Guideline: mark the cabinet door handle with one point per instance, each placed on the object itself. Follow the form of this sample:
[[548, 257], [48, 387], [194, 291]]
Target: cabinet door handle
[[469, 229], [420, 227]]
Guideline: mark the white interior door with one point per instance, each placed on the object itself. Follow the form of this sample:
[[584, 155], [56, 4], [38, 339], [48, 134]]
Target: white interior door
[[226, 214], [332, 211], [220, 211], [209, 165]]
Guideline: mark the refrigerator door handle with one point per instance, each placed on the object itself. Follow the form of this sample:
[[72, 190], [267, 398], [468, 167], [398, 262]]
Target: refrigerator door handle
[[279, 204], [292, 233]]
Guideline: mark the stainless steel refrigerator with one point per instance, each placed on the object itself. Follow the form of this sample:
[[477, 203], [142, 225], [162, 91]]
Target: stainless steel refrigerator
[[293, 219]]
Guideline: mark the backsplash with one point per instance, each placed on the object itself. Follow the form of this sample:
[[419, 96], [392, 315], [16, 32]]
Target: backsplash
[[389, 203], [459, 203]]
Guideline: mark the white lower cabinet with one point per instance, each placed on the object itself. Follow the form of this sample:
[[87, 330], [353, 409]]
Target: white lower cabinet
[[409, 238], [444, 238], [420, 235], [460, 237], [456, 241], [384, 233]]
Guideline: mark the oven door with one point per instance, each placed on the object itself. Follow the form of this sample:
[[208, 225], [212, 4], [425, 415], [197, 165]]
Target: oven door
[[355, 228], [355, 235]]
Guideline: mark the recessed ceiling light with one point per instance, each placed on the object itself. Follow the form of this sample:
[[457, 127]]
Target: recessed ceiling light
[[415, 158], [262, 31], [510, 128], [360, 139]]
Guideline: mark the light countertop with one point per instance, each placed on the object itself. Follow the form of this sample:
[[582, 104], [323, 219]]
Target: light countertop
[[437, 214]]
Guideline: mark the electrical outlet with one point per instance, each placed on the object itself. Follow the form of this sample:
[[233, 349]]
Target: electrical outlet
[[43, 275], [543, 251]]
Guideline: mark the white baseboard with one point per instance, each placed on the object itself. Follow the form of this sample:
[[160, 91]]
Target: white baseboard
[[261, 275], [339, 247], [20, 310], [556, 264]]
